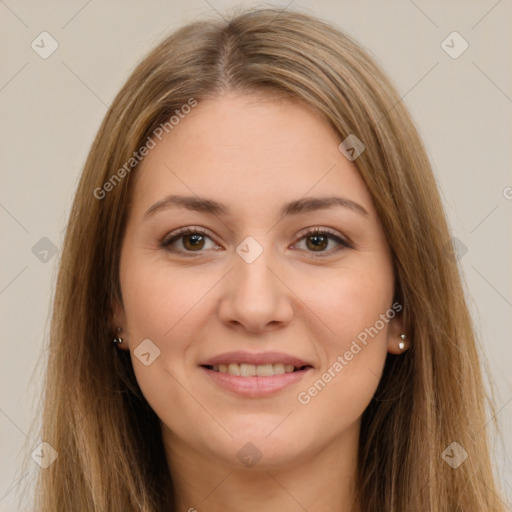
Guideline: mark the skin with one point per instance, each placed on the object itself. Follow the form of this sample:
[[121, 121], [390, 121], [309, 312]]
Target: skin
[[253, 155]]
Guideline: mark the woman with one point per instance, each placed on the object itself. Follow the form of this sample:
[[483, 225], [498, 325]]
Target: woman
[[257, 307]]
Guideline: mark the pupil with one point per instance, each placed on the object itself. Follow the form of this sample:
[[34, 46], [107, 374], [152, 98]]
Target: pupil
[[193, 241], [318, 242]]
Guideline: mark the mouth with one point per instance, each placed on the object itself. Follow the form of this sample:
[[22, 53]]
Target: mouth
[[251, 375], [256, 370]]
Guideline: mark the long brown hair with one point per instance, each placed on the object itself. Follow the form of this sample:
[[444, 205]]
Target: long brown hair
[[111, 455]]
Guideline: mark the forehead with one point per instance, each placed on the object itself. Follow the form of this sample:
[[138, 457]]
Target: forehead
[[250, 150]]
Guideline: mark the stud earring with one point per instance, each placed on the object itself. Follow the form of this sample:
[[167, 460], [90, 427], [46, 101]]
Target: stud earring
[[401, 345], [118, 338]]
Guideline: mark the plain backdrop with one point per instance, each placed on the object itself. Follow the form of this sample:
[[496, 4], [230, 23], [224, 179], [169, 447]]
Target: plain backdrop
[[50, 109]]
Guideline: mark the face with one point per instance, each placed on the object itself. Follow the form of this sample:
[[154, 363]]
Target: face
[[257, 284]]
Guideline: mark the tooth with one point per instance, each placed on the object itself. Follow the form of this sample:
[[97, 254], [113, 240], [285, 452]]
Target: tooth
[[278, 368], [233, 369], [264, 370], [247, 370], [251, 370]]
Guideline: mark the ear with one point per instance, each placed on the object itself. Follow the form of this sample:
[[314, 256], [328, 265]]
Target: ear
[[118, 324], [395, 331]]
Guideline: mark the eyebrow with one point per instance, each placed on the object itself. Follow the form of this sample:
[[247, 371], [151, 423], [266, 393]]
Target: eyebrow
[[303, 205]]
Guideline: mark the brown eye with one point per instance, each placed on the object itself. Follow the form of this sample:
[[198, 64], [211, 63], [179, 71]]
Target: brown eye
[[317, 242], [193, 242], [322, 241], [189, 240]]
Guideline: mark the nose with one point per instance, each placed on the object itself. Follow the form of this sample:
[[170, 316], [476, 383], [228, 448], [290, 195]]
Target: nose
[[255, 296]]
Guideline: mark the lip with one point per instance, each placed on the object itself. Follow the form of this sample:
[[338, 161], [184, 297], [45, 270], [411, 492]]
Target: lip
[[255, 358], [256, 387]]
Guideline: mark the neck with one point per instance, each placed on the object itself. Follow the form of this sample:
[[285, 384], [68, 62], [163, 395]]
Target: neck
[[324, 480]]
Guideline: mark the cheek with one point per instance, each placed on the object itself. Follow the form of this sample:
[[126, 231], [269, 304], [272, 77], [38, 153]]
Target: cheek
[[356, 311], [350, 300], [160, 303], [170, 309]]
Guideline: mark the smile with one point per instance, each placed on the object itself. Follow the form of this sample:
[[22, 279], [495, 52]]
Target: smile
[[255, 381], [255, 370]]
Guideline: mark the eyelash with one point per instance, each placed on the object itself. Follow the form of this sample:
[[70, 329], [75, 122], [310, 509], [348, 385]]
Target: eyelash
[[343, 244]]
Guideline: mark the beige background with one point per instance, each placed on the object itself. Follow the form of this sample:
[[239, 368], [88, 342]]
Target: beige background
[[51, 108]]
